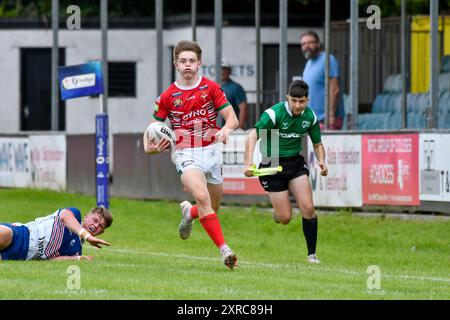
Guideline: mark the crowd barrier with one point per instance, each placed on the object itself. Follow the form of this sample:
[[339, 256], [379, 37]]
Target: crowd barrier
[[407, 171]]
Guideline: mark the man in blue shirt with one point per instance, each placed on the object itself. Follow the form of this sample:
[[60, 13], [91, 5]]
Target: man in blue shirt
[[235, 94], [314, 76]]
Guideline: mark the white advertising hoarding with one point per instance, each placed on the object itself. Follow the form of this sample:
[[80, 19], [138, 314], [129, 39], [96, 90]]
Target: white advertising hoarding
[[15, 162], [434, 167], [343, 185], [48, 162]]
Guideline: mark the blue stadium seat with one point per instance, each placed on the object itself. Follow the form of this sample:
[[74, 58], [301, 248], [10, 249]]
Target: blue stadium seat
[[422, 102], [378, 104], [412, 122], [444, 102], [396, 103], [441, 119], [444, 82], [447, 121], [445, 64], [395, 121], [393, 83]]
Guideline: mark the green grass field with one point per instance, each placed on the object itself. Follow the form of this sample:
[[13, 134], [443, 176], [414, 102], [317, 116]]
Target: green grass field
[[148, 260]]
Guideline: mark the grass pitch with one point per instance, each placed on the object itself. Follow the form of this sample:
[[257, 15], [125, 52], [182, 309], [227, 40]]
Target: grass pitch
[[148, 260]]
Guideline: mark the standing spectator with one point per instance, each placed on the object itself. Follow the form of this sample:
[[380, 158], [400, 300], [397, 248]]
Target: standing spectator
[[314, 76], [235, 94]]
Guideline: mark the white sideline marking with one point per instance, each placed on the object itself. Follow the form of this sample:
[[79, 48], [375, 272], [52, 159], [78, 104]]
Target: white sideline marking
[[281, 265]]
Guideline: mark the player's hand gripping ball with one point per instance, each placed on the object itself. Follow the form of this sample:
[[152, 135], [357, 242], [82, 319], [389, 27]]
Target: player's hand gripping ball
[[157, 131]]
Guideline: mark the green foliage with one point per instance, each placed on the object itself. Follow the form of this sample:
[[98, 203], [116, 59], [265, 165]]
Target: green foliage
[[148, 260]]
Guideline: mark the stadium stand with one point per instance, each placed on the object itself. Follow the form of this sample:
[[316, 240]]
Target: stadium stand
[[386, 113]]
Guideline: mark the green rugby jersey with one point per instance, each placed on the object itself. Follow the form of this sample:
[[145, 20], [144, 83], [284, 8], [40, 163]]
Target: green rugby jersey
[[284, 132]]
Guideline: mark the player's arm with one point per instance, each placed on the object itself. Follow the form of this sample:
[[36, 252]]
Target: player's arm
[[231, 123], [160, 114], [319, 151], [69, 220], [152, 148], [250, 143]]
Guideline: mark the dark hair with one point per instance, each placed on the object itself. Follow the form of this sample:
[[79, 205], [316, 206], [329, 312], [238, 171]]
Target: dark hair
[[298, 89], [310, 33]]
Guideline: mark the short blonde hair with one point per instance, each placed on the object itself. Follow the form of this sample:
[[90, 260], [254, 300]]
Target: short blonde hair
[[104, 213], [186, 45]]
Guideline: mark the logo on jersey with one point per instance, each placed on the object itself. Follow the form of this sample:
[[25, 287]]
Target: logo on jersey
[[203, 87], [190, 98], [285, 125], [195, 113], [204, 96], [177, 103], [156, 108], [306, 124], [177, 94]]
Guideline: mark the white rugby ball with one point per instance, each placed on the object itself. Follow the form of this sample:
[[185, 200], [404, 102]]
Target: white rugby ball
[[159, 130]]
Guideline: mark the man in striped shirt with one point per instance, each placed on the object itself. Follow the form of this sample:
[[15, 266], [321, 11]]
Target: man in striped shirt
[[58, 236]]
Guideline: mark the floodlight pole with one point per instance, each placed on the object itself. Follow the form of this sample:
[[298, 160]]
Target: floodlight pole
[[434, 64], [282, 59], [55, 63], [218, 42], [327, 63], [354, 46]]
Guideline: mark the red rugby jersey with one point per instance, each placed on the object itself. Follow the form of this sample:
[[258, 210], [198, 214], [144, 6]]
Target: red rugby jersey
[[192, 111]]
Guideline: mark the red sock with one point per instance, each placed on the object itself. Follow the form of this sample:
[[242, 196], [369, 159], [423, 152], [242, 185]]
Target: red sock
[[194, 212], [211, 225]]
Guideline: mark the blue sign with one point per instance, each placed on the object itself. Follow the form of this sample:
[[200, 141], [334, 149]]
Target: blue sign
[[80, 80], [102, 159]]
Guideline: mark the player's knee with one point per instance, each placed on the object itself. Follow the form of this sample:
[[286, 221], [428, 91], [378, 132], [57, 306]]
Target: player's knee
[[307, 211], [285, 220], [202, 198]]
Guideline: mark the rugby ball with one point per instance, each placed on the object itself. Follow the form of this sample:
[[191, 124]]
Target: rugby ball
[[159, 130]]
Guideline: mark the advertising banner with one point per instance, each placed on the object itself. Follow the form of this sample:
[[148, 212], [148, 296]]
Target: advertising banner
[[233, 168], [48, 162], [390, 169], [342, 186], [80, 80], [434, 164], [15, 163]]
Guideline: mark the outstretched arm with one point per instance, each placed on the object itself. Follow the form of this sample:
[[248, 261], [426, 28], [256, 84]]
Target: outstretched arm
[[73, 225]]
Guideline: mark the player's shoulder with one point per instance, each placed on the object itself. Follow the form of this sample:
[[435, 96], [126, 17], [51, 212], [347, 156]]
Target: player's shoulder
[[76, 212], [310, 115], [168, 92], [207, 83]]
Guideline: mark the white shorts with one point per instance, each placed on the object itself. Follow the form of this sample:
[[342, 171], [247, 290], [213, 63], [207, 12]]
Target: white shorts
[[209, 159]]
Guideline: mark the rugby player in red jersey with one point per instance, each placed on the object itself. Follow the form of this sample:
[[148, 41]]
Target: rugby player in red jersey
[[192, 104]]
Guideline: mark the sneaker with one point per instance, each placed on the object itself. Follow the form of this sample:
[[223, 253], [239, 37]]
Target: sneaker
[[185, 227], [312, 258], [229, 258]]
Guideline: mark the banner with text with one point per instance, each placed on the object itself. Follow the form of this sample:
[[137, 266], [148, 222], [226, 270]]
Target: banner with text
[[434, 167], [233, 168], [15, 162], [48, 162], [390, 169], [342, 186]]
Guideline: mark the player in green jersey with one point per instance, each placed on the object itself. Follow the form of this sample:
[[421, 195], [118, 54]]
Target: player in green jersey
[[281, 129]]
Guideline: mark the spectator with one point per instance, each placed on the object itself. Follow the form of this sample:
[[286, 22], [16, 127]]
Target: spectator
[[235, 94], [314, 76]]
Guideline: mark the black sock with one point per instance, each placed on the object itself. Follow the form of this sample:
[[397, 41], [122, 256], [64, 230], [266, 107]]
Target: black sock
[[310, 232]]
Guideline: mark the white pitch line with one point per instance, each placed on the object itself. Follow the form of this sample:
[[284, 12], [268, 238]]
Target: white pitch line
[[283, 266]]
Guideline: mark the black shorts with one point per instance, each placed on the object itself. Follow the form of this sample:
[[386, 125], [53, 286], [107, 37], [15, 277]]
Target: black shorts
[[293, 167]]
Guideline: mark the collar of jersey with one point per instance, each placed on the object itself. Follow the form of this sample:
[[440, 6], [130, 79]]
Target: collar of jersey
[[195, 85], [286, 105]]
